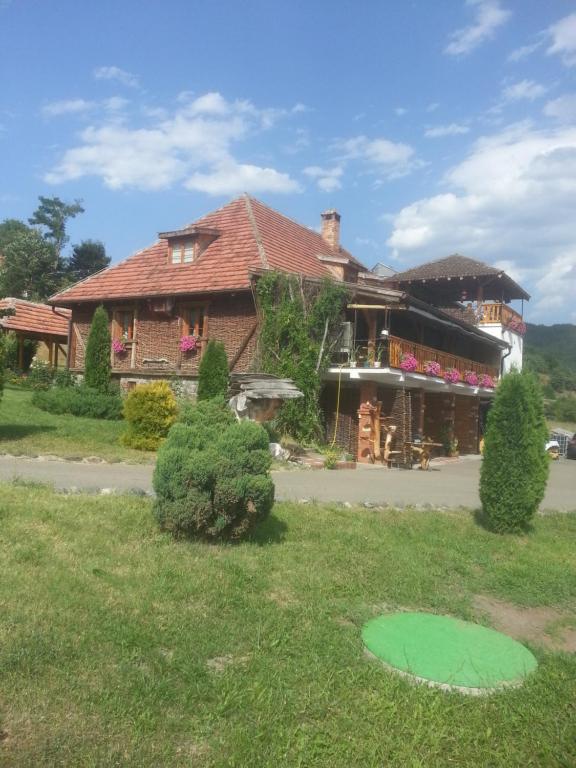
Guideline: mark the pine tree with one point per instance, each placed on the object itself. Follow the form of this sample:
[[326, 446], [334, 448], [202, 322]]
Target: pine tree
[[213, 372], [97, 371], [515, 466]]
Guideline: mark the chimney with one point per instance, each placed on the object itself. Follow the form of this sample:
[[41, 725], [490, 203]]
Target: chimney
[[331, 228]]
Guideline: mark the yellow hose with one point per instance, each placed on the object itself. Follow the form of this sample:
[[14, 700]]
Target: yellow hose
[[337, 407]]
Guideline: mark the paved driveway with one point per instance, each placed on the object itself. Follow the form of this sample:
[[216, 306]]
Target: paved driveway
[[452, 484]]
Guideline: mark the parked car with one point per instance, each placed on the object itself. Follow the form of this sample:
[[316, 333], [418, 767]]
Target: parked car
[[571, 449]]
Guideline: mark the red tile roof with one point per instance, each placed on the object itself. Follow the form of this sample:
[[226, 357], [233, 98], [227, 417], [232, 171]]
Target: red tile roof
[[38, 319], [252, 237]]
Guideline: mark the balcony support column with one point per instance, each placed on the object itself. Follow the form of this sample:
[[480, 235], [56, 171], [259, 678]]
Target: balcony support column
[[370, 316]]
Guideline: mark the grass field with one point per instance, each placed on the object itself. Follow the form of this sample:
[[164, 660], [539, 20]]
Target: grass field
[[26, 430], [121, 647]]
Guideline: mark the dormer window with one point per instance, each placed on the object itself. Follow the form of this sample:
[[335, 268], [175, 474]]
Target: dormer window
[[182, 252], [187, 245]]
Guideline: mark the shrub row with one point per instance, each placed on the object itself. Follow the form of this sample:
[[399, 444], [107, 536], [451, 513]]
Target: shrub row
[[79, 401]]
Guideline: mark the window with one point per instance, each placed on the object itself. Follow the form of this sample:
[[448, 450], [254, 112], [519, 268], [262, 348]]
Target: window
[[193, 321], [182, 252], [124, 324]]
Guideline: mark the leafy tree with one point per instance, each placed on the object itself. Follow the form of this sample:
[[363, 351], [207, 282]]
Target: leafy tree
[[52, 214], [27, 270], [97, 366], [213, 372], [10, 229], [87, 258], [515, 466]]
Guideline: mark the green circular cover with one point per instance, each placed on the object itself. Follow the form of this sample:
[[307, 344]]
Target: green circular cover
[[447, 650]]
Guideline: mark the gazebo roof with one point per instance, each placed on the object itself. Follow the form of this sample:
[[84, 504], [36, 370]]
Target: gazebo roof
[[35, 320], [456, 273]]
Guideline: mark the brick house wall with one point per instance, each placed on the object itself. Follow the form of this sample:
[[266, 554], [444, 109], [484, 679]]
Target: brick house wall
[[229, 318]]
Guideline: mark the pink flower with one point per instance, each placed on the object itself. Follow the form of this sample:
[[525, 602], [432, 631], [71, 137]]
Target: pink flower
[[188, 343], [471, 377], [408, 363], [432, 368], [486, 381], [452, 376], [118, 347]]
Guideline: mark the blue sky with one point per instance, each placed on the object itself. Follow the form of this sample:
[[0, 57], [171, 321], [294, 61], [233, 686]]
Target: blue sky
[[433, 126]]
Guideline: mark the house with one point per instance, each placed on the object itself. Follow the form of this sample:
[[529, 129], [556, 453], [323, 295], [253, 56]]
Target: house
[[38, 322], [198, 282]]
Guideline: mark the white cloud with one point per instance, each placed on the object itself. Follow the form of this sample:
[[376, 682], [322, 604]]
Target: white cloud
[[400, 111], [453, 129], [67, 107], [489, 16], [191, 146], [117, 74], [327, 179], [232, 177], [510, 200], [383, 157], [432, 107], [563, 35], [518, 54], [562, 108], [523, 90]]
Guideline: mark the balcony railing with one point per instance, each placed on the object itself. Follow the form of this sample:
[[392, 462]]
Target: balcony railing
[[390, 354], [399, 347], [500, 314]]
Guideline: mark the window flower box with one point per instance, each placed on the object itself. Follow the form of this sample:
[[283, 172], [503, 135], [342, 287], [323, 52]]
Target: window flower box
[[408, 363], [486, 381], [471, 378], [188, 344], [452, 376], [432, 368]]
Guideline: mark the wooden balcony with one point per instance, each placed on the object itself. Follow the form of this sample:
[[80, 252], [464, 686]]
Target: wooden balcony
[[500, 314], [399, 347]]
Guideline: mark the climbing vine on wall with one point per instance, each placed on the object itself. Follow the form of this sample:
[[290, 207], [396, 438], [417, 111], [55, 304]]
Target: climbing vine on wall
[[300, 326]]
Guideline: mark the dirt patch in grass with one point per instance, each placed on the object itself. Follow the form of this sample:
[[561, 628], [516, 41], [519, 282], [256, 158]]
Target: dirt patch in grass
[[219, 663], [542, 626]]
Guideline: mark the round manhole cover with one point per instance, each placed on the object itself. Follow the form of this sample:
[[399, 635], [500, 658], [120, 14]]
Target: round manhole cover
[[448, 652]]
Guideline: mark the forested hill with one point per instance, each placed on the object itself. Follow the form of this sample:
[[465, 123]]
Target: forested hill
[[554, 343]]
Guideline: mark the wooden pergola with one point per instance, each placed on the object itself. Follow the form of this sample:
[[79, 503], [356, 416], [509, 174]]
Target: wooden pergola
[[39, 322]]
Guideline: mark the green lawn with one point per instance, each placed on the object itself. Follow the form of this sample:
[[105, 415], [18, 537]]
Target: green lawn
[[26, 430], [121, 647]]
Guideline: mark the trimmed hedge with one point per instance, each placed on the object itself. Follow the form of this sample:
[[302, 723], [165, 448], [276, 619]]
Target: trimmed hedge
[[213, 375], [515, 466], [212, 475], [150, 410], [97, 365], [79, 401]]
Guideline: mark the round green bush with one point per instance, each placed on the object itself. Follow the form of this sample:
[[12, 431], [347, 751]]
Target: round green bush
[[515, 466], [212, 475], [149, 410]]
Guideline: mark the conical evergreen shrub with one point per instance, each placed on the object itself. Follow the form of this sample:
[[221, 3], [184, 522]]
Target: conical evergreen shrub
[[515, 466], [213, 375], [97, 367]]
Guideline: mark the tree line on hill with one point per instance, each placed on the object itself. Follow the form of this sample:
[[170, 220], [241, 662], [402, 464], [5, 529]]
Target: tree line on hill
[[33, 264], [550, 353]]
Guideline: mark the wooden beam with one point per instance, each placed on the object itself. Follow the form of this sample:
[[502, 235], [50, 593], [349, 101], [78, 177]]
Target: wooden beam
[[242, 346], [375, 306]]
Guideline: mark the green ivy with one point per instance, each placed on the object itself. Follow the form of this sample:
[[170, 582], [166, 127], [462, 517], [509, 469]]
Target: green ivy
[[300, 323]]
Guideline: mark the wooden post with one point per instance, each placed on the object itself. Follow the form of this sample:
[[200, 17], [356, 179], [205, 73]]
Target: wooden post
[[370, 316], [422, 413], [50, 351], [57, 347], [20, 352]]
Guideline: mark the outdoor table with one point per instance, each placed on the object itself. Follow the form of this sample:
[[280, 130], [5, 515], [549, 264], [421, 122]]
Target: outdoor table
[[423, 451]]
